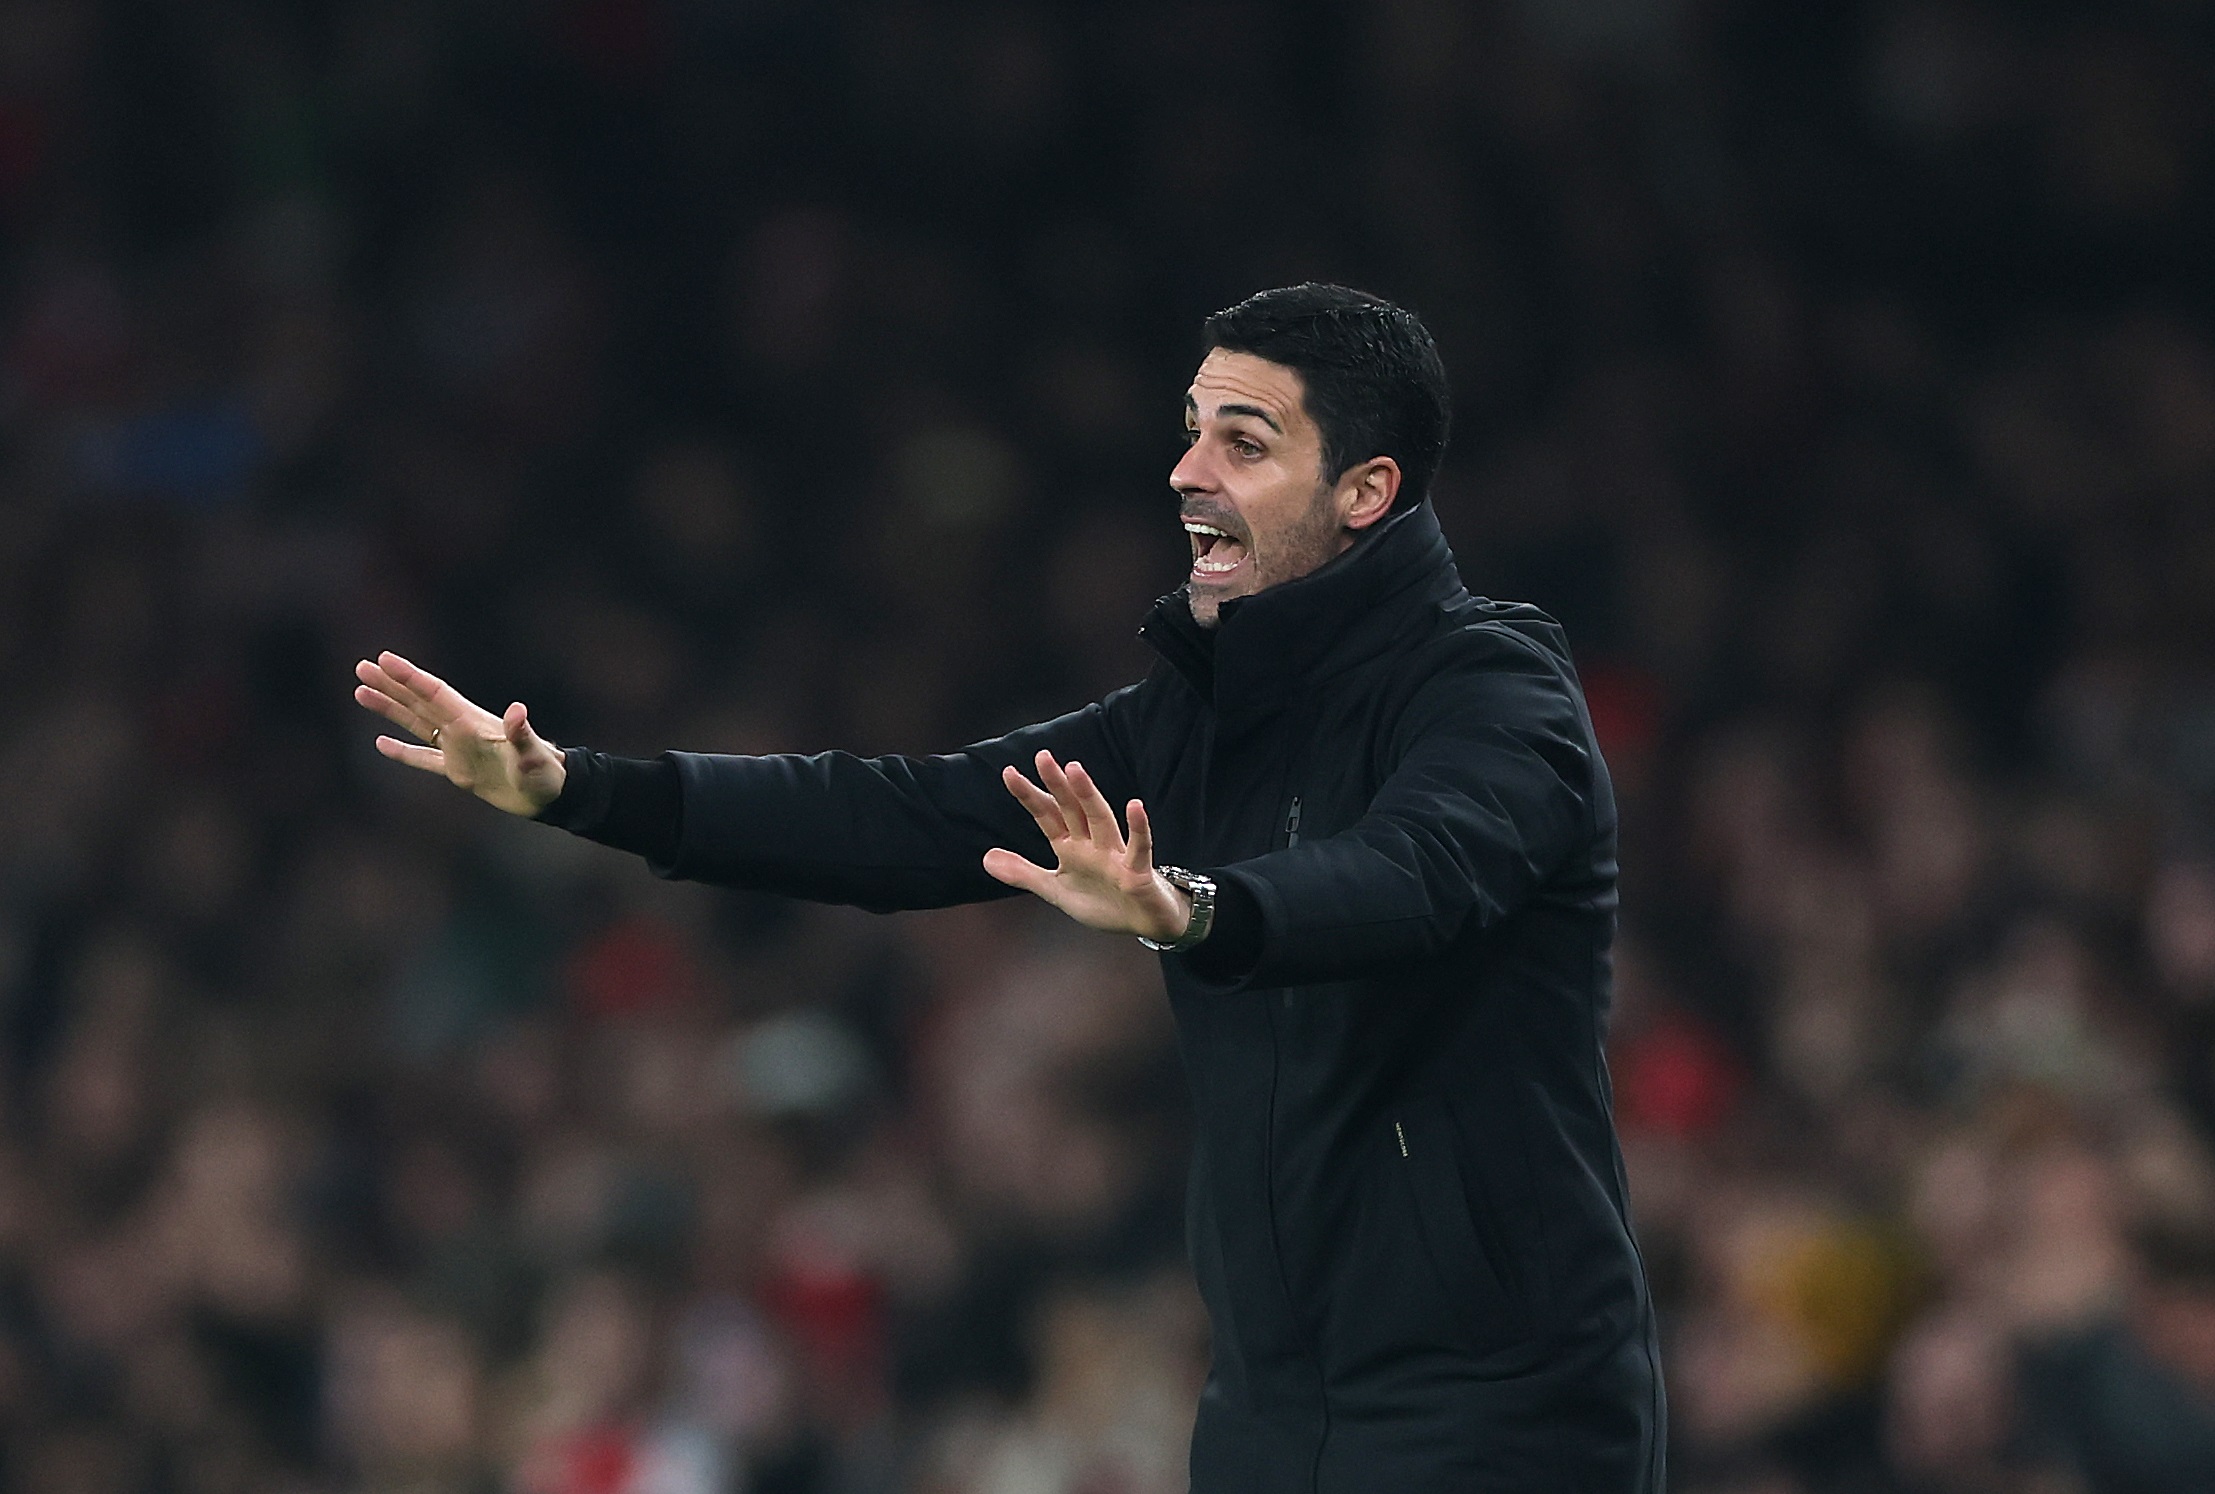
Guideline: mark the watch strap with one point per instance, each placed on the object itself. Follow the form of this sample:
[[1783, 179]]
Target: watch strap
[[1201, 890]]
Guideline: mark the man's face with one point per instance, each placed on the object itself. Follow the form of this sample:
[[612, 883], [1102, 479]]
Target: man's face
[[1256, 503]]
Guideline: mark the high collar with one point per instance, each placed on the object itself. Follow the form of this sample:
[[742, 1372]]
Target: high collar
[[1268, 646]]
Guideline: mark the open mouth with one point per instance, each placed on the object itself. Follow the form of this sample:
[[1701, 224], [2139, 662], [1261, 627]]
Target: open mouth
[[1215, 552]]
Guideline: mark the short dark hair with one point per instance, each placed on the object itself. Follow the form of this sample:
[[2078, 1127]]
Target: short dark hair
[[1373, 381]]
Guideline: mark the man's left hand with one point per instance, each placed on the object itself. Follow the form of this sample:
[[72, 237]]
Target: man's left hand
[[1103, 881]]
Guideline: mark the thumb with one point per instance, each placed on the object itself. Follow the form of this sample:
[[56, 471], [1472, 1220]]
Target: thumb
[[516, 722], [1018, 871]]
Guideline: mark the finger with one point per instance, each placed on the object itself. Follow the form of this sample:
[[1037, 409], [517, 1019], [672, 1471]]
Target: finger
[[398, 714], [440, 703], [1140, 856], [1097, 811], [429, 759], [1017, 871], [1037, 801], [410, 674], [1065, 795], [377, 678], [429, 715], [392, 674]]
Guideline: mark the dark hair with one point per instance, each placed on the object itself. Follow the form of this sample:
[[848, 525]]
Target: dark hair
[[1373, 381]]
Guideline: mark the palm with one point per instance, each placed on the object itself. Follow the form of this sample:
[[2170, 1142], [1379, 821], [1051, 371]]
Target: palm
[[500, 759], [1101, 879]]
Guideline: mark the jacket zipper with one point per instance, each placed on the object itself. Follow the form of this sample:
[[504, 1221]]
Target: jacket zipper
[[1402, 1135]]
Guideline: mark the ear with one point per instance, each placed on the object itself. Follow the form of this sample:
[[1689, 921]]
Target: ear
[[1366, 491]]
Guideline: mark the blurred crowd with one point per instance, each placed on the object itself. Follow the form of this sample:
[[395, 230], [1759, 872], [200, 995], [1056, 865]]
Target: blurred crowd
[[775, 374]]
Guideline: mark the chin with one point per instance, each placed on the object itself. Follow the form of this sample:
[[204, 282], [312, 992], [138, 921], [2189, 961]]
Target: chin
[[1207, 604]]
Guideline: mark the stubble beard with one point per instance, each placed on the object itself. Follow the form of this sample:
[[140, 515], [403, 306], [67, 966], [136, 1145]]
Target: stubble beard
[[1306, 544]]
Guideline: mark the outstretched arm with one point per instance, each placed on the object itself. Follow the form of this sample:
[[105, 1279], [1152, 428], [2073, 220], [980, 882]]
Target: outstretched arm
[[881, 833]]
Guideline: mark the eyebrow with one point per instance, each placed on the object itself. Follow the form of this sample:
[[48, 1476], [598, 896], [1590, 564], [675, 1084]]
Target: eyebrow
[[1192, 407]]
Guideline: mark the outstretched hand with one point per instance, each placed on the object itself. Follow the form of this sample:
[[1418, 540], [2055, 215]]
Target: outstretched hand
[[1102, 880], [500, 759]]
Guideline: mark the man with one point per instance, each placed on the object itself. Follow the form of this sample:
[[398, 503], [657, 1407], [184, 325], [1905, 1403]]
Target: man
[[1389, 957]]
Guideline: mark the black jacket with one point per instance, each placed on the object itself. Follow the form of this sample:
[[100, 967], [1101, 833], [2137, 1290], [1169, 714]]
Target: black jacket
[[1407, 1209]]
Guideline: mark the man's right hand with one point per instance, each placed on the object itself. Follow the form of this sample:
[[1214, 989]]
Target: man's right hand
[[497, 758]]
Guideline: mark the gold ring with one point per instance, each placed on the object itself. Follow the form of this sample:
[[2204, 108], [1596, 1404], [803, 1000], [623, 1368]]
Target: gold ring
[[434, 734]]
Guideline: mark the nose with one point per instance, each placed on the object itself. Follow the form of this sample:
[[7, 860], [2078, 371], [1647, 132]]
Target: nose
[[1193, 472]]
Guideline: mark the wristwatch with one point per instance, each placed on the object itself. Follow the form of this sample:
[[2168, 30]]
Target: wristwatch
[[1202, 892]]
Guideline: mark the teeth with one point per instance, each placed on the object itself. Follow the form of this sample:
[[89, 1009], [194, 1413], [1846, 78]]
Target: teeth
[[1204, 565]]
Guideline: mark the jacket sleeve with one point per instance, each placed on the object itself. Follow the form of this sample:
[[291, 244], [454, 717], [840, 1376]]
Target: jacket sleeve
[[1490, 795], [885, 833]]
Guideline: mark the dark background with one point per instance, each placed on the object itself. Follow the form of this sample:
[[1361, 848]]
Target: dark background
[[777, 374]]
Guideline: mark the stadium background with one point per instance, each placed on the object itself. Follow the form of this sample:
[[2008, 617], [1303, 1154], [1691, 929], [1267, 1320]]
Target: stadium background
[[768, 374]]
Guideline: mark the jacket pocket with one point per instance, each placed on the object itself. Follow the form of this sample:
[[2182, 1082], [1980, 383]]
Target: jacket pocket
[[1468, 1270]]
